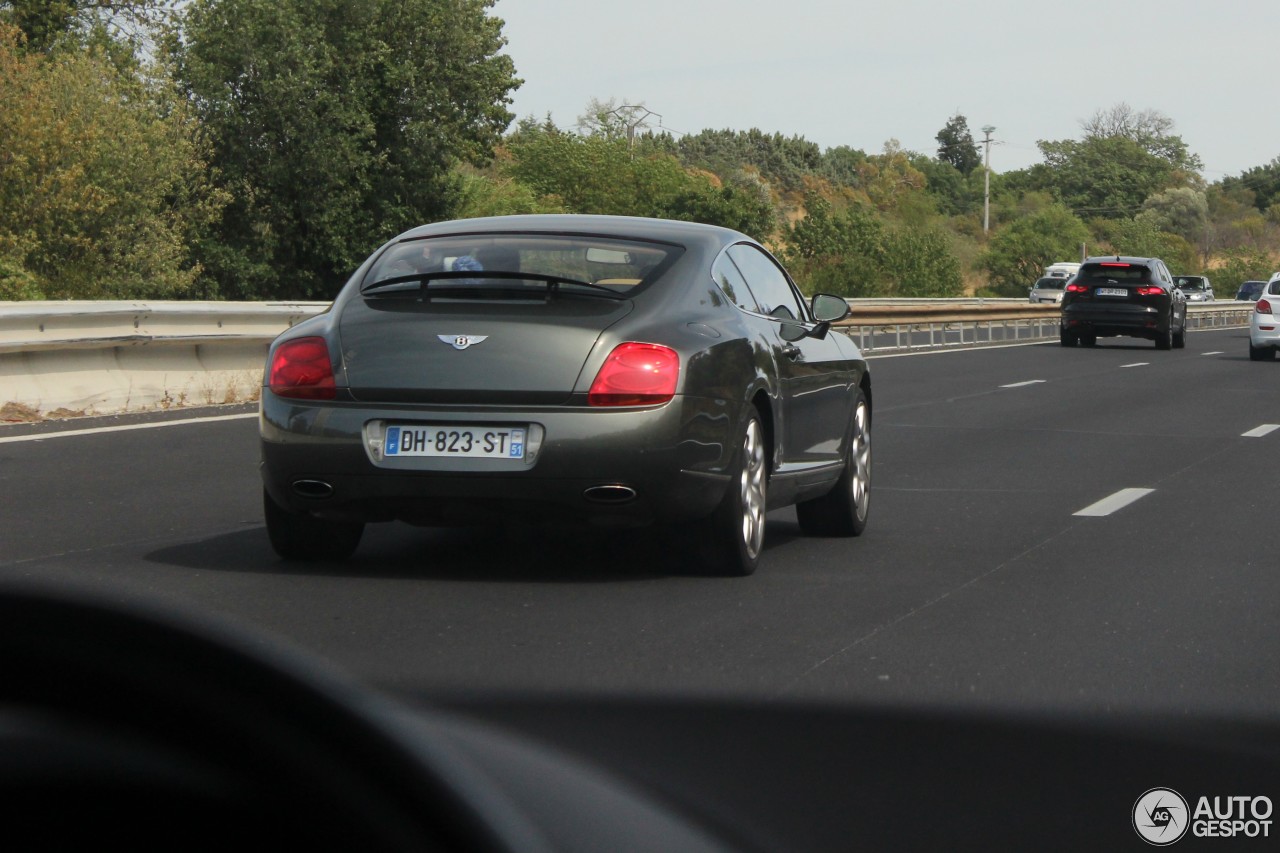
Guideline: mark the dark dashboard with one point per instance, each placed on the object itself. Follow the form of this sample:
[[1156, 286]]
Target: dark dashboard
[[121, 725]]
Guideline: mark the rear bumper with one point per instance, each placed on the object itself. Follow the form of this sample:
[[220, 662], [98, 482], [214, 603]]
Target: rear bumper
[[1132, 320], [1264, 330], [628, 467]]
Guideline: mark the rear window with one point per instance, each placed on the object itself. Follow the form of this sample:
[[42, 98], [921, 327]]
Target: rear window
[[618, 265], [1118, 273]]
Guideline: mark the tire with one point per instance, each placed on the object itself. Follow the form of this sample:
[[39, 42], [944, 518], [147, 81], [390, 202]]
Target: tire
[[1066, 338], [1164, 337], [1089, 340], [295, 536], [1180, 336], [733, 537], [1261, 353], [843, 510]]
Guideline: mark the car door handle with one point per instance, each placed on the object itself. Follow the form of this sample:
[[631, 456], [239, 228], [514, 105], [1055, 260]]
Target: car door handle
[[791, 351]]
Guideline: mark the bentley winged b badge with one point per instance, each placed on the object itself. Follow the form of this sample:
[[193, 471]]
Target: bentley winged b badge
[[462, 341]]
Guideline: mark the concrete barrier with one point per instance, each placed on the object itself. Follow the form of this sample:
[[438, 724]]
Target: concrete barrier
[[61, 359]]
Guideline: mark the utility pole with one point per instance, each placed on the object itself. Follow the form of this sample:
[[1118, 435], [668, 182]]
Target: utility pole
[[632, 117], [986, 181]]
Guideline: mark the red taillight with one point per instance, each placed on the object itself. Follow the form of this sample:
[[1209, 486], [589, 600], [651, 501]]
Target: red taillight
[[301, 368], [636, 374], [1077, 288], [1262, 306], [1112, 264], [1150, 291]]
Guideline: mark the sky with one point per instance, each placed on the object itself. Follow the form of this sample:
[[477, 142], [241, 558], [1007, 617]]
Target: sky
[[859, 74]]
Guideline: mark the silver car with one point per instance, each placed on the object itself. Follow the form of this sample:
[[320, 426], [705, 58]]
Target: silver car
[[1195, 287], [1048, 289]]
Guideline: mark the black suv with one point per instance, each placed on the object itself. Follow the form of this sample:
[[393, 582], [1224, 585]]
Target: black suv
[[1124, 296]]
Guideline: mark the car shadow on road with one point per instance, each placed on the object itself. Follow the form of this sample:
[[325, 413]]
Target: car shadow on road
[[523, 555]]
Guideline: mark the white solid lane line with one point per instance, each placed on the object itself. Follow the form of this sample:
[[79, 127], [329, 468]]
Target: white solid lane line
[[1259, 432], [1022, 384], [41, 436], [1118, 501]]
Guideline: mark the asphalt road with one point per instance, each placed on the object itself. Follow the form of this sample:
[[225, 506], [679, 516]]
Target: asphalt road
[[976, 584]]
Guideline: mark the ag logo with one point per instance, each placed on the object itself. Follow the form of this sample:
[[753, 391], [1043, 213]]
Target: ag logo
[[462, 341], [1161, 817]]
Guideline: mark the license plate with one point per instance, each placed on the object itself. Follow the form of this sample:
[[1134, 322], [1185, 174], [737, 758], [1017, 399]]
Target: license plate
[[460, 440], [1111, 291]]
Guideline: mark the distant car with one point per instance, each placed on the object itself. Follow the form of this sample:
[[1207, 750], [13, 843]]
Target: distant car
[[1129, 296], [606, 371], [1250, 291], [1264, 323], [1195, 287], [1048, 289]]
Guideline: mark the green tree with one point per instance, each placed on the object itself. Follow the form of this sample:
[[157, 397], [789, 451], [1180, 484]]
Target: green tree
[[1142, 238], [488, 193], [1018, 253], [742, 207], [843, 165], [956, 146], [600, 173], [1238, 265], [856, 254], [895, 186], [1182, 211], [954, 193], [1263, 182], [335, 125], [46, 22], [1123, 158], [103, 181], [780, 160]]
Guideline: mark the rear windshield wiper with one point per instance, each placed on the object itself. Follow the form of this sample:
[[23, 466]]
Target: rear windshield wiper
[[471, 277]]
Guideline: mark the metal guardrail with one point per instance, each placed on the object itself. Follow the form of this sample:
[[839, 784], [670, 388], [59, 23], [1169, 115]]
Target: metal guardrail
[[882, 326], [38, 326], [59, 359], [64, 358]]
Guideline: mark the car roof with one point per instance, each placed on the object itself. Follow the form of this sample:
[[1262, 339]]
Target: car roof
[[1119, 259], [633, 227]]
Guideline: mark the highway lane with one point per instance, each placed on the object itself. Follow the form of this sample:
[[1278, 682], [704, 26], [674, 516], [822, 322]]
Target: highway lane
[[976, 583]]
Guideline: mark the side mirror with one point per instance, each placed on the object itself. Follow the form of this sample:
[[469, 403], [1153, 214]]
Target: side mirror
[[829, 309]]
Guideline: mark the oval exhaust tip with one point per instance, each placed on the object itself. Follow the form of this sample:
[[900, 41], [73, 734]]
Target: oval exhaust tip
[[314, 489], [615, 493]]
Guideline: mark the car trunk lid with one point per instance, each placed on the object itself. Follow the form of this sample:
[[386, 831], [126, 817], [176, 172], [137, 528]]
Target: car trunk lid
[[470, 351]]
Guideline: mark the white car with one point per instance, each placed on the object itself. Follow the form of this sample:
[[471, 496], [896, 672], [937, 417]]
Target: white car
[[1264, 323]]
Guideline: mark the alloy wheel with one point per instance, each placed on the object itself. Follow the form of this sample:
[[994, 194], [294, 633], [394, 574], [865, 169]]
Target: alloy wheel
[[751, 486], [860, 454]]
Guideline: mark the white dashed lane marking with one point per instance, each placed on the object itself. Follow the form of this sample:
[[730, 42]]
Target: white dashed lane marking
[[1114, 503], [1022, 384], [1259, 432], [42, 436]]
